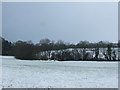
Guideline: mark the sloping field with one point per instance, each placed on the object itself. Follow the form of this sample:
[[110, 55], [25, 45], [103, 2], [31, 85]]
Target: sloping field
[[56, 74]]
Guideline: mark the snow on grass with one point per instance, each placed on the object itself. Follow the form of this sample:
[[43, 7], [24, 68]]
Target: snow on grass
[[0, 73], [55, 74]]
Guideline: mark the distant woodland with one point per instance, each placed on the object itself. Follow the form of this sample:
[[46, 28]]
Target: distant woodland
[[49, 50]]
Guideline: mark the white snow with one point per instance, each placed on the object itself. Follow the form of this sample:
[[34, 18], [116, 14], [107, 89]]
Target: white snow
[[0, 73], [54, 74]]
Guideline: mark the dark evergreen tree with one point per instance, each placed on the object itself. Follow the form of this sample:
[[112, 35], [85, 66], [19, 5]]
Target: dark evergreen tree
[[96, 53], [109, 52]]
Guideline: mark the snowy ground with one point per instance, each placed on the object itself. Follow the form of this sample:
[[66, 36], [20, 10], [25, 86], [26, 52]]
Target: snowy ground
[[55, 74], [0, 73]]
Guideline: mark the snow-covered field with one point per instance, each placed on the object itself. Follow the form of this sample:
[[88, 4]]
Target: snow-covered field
[[55, 74]]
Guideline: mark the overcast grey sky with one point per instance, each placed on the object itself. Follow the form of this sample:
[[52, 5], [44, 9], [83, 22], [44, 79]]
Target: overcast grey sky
[[70, 22], [0, 18]]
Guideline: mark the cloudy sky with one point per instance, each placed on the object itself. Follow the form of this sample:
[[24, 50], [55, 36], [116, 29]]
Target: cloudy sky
[[70, 22]]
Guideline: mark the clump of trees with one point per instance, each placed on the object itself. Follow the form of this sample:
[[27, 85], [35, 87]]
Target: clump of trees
[[24, 50], [6, 47], [50, 50]]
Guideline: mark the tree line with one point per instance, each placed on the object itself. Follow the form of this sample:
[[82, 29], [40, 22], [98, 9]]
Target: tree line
[[49, 50]]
